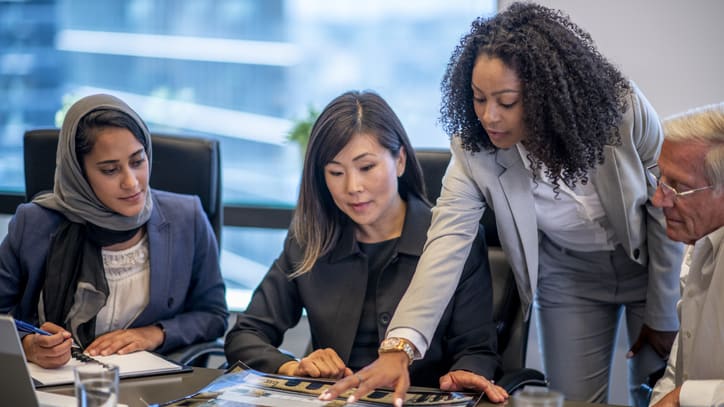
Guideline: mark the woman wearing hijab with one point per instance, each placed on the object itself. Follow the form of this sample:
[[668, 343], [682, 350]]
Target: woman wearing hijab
[[104, 261]]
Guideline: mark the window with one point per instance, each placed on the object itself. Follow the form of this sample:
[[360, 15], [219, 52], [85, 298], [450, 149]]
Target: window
[[239, 71]]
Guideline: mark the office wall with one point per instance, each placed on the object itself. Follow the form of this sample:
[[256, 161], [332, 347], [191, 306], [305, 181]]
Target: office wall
[[672, 49]]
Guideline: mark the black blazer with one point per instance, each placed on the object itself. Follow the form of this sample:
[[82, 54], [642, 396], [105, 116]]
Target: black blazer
[[333, 294]]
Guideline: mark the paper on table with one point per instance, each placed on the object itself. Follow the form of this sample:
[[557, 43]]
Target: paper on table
[[244, 386], [141, 363], [46, 399]]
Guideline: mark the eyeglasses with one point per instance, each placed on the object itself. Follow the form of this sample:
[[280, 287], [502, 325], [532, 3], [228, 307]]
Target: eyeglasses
[[653, 174]]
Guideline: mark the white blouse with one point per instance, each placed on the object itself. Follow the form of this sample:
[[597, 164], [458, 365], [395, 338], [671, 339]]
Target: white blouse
[[128, 275]]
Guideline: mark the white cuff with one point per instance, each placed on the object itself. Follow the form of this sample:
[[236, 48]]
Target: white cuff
[[414, 337], [701, 393]]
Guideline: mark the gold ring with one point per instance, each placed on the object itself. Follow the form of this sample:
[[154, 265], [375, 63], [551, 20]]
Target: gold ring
[[358, 378]]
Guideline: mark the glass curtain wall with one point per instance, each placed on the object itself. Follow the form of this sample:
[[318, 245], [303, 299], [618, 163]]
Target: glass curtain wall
[[241, 71]]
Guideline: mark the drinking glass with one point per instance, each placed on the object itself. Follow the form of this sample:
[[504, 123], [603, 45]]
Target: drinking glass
[[96, 385], [537, 397]]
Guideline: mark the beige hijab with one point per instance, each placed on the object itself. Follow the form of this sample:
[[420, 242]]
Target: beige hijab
[[72, 194]]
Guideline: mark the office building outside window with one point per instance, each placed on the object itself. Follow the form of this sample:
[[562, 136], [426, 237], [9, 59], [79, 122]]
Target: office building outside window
[[241, 71]]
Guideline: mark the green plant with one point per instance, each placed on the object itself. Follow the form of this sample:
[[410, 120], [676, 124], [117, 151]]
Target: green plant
[[302, 128]]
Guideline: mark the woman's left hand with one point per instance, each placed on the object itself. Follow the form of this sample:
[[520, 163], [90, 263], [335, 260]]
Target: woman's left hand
[[125, 341], [660, 341], [460, 380]]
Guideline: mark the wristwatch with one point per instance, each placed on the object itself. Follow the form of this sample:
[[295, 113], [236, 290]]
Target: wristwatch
[[397, 345]]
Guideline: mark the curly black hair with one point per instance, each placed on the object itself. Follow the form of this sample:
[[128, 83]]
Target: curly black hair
[[573, 98]]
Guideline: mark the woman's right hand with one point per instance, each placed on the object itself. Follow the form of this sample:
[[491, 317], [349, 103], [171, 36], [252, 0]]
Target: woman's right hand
[[391, 369], [322, 363], [48, 351]]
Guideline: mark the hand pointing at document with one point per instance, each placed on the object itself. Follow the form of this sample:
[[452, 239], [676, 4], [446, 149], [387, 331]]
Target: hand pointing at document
[[391, 370]]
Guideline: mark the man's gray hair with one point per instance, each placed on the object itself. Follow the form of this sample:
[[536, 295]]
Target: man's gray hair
[[703, 124]]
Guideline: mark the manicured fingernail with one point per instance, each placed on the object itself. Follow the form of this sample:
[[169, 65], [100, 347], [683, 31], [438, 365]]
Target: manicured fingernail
[[398, 402], [324, 395], [351, 399]]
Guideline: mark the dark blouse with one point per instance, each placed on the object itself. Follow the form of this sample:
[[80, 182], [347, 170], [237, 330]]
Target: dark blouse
[[366, 342]]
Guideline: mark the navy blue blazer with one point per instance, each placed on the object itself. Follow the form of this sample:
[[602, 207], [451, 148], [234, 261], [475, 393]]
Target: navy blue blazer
[[187, 295], [333, 294]]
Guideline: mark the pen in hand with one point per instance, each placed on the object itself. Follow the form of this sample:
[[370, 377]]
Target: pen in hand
[[50, 347], [23, 326], [75, 351]]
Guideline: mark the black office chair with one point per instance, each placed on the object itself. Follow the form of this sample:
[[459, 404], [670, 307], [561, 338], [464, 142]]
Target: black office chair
[[511, 326], [188, 165]]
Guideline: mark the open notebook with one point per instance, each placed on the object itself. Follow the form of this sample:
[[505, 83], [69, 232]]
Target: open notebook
[[135, 364]]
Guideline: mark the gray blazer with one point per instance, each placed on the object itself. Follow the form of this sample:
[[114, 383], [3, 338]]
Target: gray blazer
[[499, 179]]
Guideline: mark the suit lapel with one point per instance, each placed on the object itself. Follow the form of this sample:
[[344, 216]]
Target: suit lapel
[[349, 279], [160, 249], [342, 282], [607, 181], [516, 183]]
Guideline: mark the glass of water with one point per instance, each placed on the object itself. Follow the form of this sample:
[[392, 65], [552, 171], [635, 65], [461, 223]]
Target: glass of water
[[96, 385], [536, 397]]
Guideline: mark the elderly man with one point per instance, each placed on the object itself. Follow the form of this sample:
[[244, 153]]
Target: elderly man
[[690, 179]]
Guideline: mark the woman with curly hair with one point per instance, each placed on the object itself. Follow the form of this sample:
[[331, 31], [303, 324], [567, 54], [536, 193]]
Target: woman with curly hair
[[550, 136]]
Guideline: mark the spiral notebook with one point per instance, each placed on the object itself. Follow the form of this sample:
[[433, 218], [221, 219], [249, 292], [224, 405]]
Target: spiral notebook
[[135, 364]]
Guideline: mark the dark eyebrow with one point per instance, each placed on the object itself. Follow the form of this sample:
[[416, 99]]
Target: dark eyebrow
[[497, 92], [133, 155], [359, 157]]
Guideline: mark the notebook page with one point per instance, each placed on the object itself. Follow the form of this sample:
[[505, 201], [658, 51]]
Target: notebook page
[[133, 364]]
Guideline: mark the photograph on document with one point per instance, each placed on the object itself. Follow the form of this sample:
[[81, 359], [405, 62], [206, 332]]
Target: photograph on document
[[242, 386]]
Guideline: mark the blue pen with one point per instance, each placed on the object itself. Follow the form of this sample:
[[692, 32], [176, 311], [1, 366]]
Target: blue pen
[[23, 326]]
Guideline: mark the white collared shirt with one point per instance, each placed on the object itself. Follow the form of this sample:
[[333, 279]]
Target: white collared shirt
[[696, 362], [574, 218]]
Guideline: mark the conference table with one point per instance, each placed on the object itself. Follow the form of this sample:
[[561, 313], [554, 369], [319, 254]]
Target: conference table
[[144, 391]]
